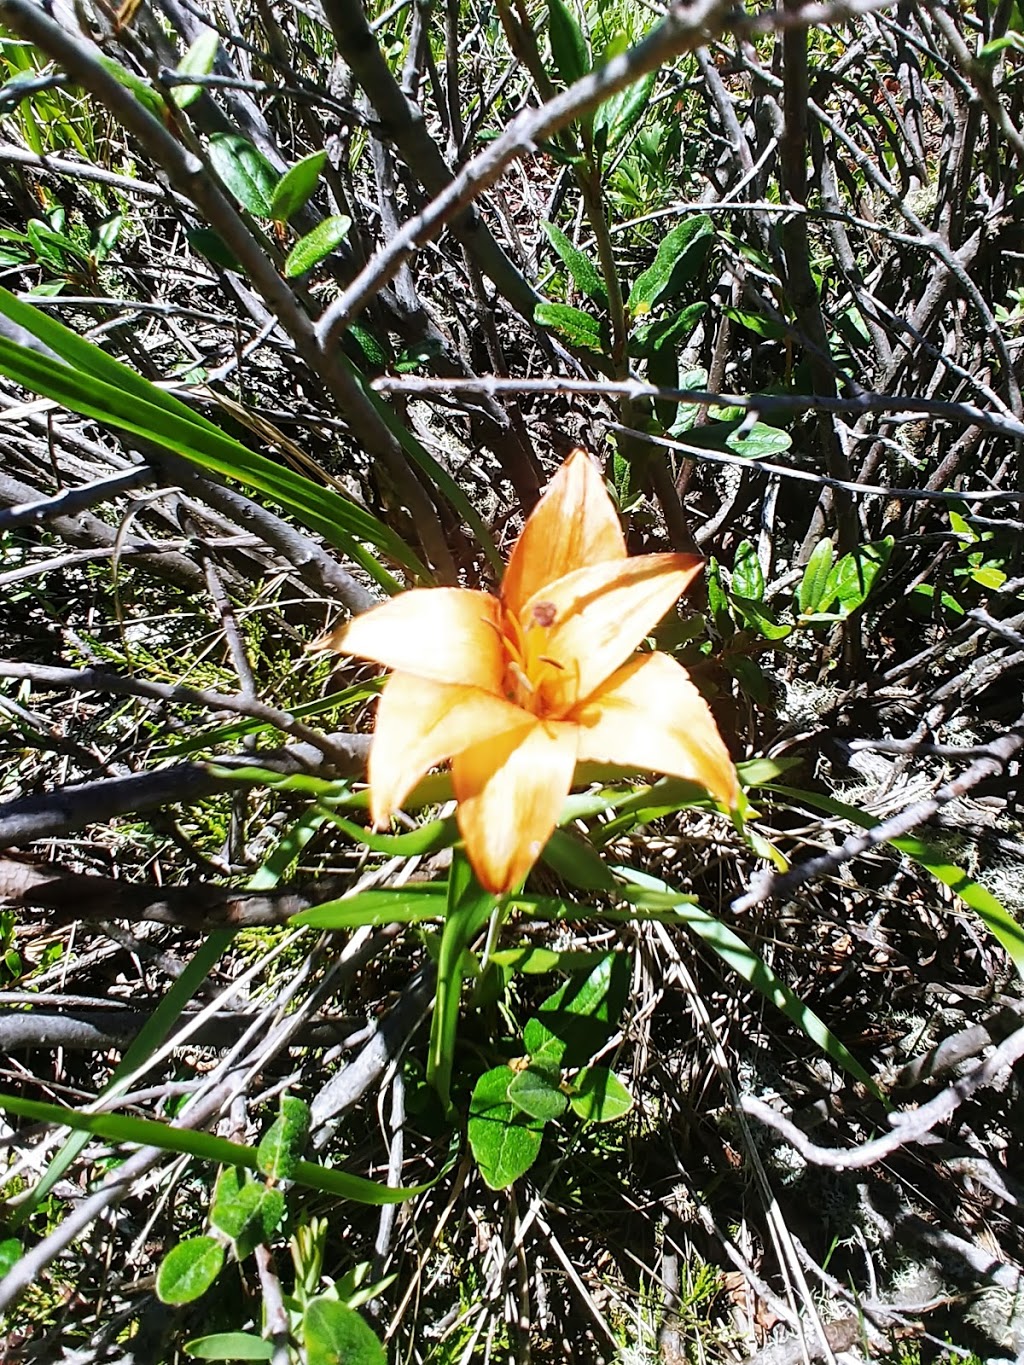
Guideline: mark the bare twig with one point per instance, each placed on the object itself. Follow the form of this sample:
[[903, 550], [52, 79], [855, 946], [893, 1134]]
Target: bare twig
[[911, 1125]]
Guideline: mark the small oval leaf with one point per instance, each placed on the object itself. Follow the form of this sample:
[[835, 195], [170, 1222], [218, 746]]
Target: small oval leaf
[[230, 1346], [296, 186], [284, 1142], [245, 171], [535, 1092], [600, 1096], [335, 1334], [188, 1270]]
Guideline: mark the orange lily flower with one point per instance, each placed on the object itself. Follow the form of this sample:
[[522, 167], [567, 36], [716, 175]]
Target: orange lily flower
[[517, 689]]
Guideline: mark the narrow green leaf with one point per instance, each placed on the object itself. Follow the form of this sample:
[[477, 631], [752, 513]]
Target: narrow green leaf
[[148, 1132], [433, 470], [680, 255], [296, 187], [188, 1270], [310, 250], [122, 398], [578, 328], [407, 905], [198, 61], [747, 577], [811, 592], [142, 90], [213, 247], [582, 269], [577, 862], [569, 47], [245, 171], [618, 116], [469, 907], [851, 580], [599, 1096]]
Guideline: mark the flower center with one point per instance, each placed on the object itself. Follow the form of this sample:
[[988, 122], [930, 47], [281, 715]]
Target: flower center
[[532, 676]]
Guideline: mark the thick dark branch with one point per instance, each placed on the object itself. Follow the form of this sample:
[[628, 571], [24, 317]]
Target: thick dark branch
[[56, 813]]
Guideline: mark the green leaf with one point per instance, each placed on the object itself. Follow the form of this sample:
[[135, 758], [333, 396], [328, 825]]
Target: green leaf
[[718, 600], [245, 1210], [813, 585], [747, 578], [617, 116], [668, 335], [680, 255], [334, 1334], [188, 1270], [534, 960], [757, 442], [296, 187], [282, 1145], [372, 353], [535, 1091], [578, 328], [989, 576], [756, 323], [150, 1133], [245, 171], [504, 1142], [850, 581], [988, 54], [198, 61], [599, 1096], [759, 616], [991, 911], [406, 905], [310, 250], [142, 90], [568, 44], [213, 247], [97, 386], [230, 1346], [469, 908], [579, 1018], [751, 677], [577, 862], [661, 343], [582, 269], [753, 969], [945, 598], [10, 1255]]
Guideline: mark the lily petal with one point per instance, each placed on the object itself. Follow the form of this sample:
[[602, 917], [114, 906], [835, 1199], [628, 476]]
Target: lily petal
[[573, 524], [447, 634], [649, 715], [421, 723], [510, 789], [596, 617]]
